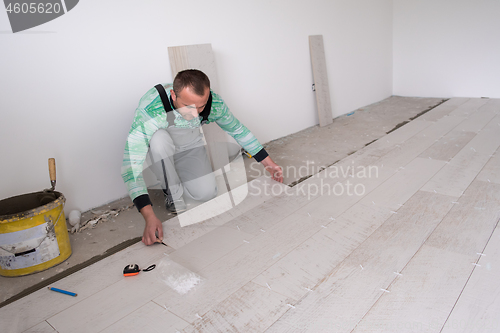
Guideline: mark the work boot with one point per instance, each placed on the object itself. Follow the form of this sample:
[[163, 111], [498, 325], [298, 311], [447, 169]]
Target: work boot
[[175, 206]]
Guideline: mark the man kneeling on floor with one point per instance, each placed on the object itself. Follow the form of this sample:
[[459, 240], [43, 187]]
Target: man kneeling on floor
[[165, 135]]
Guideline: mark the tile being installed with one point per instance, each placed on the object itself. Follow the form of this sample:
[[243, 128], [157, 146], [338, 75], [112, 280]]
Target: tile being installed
[[210, 247]]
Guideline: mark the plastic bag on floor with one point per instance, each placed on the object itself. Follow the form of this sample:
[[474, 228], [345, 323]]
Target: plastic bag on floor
[[176, 276]]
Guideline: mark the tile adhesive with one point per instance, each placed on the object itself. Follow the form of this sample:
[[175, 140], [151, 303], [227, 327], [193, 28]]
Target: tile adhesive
[[33, 233]]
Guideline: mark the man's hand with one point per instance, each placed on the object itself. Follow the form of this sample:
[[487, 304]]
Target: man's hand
[[273, 168], [153, 226]]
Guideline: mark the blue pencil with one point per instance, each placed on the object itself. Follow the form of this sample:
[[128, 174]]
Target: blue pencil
[[62, 291]]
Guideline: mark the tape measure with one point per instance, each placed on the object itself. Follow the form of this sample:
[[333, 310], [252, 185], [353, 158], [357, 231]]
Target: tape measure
[[133, 269]]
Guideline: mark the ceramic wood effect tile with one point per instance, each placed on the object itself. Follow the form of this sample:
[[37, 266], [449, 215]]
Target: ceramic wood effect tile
[[111, 304], [395, 191], [448, 146], [491, 171], [20, 315], [343, 297], [150, 318], [457, 101], [468, 107], [250, 309], [435, 277], [234, 270], [477, 120], [468, 226], [464, 167], [201, 56], [395, 259], [320, 74], [43, 327], [269, 213], [373, 170], [417, 144], [444, 109], [210, 247], [177, 236], [479, 304], [421, 299]]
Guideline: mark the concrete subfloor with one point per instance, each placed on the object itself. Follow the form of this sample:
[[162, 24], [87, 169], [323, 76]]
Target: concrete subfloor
[[300, 154]]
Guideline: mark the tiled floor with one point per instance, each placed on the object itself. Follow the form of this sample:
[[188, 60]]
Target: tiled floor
[[401, 236], [301, 154]]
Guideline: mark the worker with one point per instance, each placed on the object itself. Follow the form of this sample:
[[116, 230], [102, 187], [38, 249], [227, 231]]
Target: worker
[[165, 136]]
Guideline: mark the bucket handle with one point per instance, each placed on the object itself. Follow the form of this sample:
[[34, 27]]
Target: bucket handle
[[33, 249]]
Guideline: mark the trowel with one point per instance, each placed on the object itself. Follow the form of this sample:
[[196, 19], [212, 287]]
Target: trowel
[[48, 194]]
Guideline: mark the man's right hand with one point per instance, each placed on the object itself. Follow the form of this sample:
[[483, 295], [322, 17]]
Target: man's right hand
[[153, 226]]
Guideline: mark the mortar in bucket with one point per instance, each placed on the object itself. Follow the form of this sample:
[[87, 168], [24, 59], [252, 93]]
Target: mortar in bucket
[[33, 232]]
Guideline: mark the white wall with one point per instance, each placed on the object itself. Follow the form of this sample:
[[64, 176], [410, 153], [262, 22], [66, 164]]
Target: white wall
[[69, 88], [446, 48]]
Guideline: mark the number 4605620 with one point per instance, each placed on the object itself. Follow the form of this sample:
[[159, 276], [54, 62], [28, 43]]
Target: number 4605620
[[32, 8]]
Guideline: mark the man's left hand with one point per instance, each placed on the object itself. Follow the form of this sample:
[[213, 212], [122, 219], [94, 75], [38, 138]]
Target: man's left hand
[[273, 168]]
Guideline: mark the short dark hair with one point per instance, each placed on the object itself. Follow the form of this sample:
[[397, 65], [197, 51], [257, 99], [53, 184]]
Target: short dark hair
[[193, 78]]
